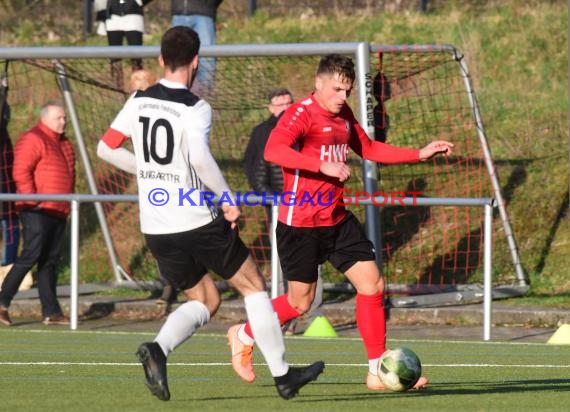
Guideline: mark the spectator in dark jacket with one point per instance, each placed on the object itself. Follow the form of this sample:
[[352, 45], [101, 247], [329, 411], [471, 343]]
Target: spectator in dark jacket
[[9, 218], [44, 162], [263, 176]]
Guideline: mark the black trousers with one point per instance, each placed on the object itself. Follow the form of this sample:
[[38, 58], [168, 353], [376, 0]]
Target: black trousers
[[134, 38], [43, 236]]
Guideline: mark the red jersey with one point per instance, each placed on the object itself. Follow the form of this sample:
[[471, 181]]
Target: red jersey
[[307, 135], [44, 162]]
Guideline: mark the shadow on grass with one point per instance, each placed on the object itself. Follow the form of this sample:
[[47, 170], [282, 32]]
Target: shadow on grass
[[562, 212], [443, 389], [508, 386]]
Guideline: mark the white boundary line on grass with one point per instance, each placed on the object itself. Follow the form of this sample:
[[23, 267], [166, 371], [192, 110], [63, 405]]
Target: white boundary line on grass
[[448, 365]]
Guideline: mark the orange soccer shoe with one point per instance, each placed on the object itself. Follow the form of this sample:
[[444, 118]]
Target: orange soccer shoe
[[373, 382], [241, 355]]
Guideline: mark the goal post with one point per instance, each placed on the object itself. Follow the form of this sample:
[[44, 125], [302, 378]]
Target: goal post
[[425, 62], [119, 273], [423, 249], [521, 275]]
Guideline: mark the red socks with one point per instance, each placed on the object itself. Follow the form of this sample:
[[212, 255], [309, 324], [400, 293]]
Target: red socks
[[370, 320], [284, 310], [371, 323]]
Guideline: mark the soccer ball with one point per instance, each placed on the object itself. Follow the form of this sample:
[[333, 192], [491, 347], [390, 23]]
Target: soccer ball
[[399, 369]]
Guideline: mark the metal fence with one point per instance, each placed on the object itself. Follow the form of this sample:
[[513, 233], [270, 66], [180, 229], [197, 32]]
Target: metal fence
[[77, 199], [420, 106]]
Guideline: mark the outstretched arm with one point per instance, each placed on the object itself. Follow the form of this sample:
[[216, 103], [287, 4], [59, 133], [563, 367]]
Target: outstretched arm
[[436, 147], [388, 154]]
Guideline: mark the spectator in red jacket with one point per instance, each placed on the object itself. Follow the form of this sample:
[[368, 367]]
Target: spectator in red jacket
[[44, 163]]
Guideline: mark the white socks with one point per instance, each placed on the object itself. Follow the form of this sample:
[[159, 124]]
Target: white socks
[[373, 366], [265, 327], [181, 324], [184, 321]]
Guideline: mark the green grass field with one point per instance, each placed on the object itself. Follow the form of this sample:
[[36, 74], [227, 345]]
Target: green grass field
[[60, 370]]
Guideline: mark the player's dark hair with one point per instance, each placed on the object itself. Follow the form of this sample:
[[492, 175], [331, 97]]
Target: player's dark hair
[[179, 46], [278, 91], [332, 64]]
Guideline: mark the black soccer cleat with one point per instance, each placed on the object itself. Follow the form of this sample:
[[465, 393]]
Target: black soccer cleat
[[289, 384], [152, 357]]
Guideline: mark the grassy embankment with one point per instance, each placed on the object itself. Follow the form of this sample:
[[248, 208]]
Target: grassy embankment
[[517, 56]]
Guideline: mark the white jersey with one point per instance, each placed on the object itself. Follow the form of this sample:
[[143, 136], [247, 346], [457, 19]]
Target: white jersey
[[128, 22], [170, 129]]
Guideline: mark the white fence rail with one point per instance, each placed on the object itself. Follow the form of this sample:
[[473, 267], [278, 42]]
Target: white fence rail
[[76, 199]]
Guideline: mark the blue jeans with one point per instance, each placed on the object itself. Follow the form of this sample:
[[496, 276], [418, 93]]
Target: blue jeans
[[10, 239], [206, 29]]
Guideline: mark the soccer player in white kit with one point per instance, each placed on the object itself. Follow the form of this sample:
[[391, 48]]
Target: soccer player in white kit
[[169, 128]]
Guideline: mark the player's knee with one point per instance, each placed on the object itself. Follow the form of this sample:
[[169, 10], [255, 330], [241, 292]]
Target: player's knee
[[246, 284], [213, 306], [212, 301], [380, 285], [302, 307]]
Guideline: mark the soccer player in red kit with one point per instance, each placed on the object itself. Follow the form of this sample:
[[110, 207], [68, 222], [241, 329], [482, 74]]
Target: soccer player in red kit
[[311, 143]]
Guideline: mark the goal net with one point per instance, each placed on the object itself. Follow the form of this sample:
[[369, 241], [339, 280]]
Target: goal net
[[420, 95]]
